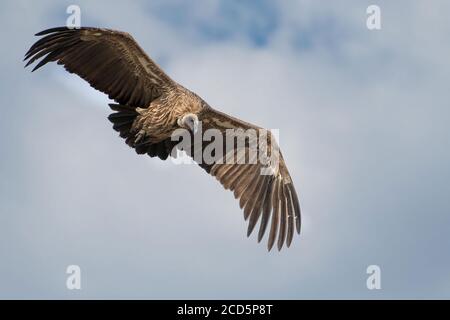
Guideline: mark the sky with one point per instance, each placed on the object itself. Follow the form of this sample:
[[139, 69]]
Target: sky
[[363, 121]]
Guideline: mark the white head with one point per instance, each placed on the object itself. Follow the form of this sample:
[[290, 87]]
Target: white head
[[189, 121]]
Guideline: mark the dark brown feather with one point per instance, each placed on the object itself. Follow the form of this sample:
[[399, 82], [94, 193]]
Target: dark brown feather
[[283, 217], [258, 205], [290, 232], [275, 214], [267, 207]]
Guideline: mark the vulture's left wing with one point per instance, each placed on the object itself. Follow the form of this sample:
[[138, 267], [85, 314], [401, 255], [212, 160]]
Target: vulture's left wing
[[264, 188]]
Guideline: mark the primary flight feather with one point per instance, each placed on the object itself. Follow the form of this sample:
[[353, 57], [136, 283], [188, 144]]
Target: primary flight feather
[[151, 107]]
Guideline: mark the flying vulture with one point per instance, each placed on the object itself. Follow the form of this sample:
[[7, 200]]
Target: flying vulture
[[150, 107]]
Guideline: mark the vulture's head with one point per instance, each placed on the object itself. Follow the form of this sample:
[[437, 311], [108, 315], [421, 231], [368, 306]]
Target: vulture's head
[[189, 121]]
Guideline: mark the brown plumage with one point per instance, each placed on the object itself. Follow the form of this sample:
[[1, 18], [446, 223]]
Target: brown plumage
[[151, 106]]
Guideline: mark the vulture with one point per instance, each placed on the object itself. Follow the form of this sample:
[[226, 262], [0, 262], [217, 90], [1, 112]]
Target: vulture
[[150, 107]]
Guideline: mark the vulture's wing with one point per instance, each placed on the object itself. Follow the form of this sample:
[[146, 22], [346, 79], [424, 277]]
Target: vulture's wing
[[111, 61], [262, 194]]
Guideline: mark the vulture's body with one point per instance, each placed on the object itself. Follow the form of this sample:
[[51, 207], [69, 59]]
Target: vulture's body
[[151, 107]]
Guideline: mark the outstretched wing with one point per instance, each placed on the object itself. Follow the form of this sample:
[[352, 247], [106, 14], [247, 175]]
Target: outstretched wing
[[111, 61], [264, 189]]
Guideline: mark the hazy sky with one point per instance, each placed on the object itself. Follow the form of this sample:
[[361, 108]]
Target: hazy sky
[[363, 119]]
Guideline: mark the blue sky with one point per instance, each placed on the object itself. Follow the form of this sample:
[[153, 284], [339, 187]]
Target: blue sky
[[363, 119]]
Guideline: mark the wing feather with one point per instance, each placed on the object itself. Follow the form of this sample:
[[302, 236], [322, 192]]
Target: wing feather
[[283, 217], [252, 195], [266, 211], [290, 232], [275, 215], [258, 206]]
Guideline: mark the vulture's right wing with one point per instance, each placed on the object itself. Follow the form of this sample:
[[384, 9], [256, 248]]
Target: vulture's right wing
[[111, 61]]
